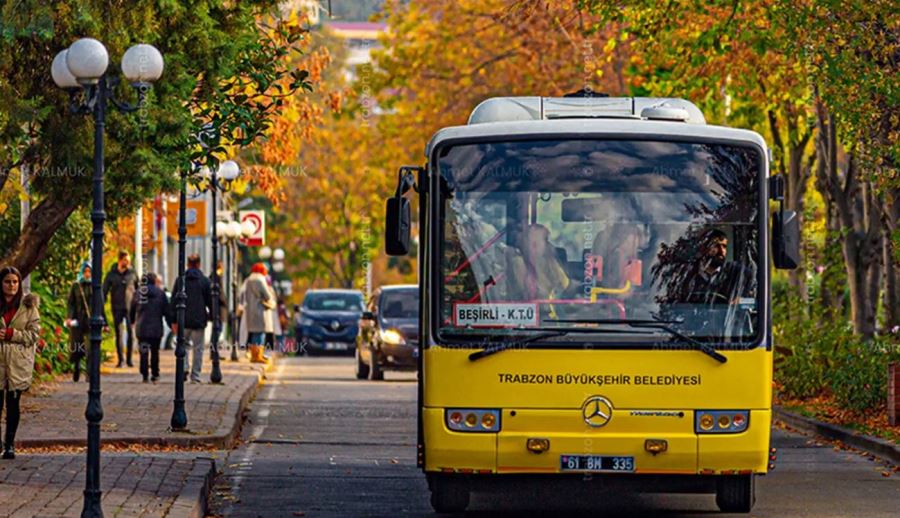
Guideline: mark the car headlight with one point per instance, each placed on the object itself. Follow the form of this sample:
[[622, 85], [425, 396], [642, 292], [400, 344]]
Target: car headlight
[[392, 337], [306, 321]]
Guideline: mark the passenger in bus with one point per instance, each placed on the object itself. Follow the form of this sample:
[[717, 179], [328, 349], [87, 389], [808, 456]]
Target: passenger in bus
[[534, 266], [619, 247]]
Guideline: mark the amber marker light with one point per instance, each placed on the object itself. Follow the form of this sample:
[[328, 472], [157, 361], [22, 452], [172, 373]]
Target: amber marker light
[[537, 445], [655, 446], [724, 421]]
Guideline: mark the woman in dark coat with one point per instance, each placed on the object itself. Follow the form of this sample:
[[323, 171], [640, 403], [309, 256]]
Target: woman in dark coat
[[79, 319], [149, 309]]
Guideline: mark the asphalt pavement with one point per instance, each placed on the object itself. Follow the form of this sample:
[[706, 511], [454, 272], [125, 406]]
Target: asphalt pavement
[[320, 443]]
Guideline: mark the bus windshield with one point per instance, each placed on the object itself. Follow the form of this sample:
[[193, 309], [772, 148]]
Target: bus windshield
[[577, 233]]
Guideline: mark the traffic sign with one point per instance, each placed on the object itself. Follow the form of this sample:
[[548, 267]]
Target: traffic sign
[[257, 219]]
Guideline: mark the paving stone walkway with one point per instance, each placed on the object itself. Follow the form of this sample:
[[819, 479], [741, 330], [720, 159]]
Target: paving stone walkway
[[147, 480], [139, 413], [132, 485]]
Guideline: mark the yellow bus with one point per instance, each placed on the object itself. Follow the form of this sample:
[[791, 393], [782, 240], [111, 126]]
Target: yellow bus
[[595, 300]]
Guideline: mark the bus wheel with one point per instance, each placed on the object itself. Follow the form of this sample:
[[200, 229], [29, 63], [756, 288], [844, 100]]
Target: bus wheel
[[362, 370], [736, 494], [449, 496]]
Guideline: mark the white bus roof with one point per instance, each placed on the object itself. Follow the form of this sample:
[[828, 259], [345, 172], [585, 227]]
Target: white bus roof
[[590, 117]]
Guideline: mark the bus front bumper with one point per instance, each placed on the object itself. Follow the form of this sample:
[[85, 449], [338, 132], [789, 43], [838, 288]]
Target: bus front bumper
[[627, 435]]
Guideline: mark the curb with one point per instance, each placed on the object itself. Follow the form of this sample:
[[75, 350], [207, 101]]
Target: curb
[[230, 438], [874, 445], [224, 438], [192, 502]]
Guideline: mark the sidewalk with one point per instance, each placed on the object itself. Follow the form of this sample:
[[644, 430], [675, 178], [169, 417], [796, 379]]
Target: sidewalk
[[139, 413], [41, 482], [132, 485]]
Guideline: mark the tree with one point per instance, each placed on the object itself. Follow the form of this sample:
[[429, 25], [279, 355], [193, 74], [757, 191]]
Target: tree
[[220, 68], [441, 58], [851, 52], [730, 59]]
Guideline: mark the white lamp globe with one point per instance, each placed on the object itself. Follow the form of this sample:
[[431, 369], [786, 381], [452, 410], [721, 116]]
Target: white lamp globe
[[247, 228], [60, 71], [87, 60], [229, 170], [265, 253], [204, 172], [142, 63], [234, 229], [278, 267], [221, 228], [278, 254]]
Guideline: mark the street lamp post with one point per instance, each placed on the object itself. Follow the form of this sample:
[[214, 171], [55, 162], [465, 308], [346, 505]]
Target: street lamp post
[[81, 69], [229, 171], [231, 232], [179, 416]]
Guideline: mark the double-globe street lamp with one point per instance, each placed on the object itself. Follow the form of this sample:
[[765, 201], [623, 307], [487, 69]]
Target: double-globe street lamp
[[230, 232], [229, 171], [82, 69]]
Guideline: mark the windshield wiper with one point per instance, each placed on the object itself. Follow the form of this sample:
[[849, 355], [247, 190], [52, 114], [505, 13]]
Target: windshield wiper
[[657, 324], [549, 332], [510, 344]]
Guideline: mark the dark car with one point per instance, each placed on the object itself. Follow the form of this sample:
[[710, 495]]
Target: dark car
[[389, 332], [329, 320]]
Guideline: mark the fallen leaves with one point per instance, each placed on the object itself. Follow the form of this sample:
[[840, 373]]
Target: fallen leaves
[[825, 408]]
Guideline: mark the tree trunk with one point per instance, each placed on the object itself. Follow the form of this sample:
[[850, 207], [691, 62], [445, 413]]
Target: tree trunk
[[42, 223], [891, 294], [890, 263], [834, 276], [790, 165], [859, 211]]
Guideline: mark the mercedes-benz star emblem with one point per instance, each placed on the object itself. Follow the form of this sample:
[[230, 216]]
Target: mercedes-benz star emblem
[[596, 411], [335, 325]]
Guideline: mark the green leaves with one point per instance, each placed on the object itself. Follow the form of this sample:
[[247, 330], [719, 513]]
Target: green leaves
[[242, 104]]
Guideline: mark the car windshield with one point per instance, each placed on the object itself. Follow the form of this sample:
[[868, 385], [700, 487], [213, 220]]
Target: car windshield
[[559, 233], [400, 304], [333, 302]]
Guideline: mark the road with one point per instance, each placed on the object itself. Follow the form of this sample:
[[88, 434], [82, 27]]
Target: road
[[321, 443]]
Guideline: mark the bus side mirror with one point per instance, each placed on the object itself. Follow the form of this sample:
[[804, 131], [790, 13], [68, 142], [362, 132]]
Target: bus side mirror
[[397, 219], [786, 240], [396, 226]]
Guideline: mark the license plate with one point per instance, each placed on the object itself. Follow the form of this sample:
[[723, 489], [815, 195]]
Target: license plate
[[336, 346], [595, 463]]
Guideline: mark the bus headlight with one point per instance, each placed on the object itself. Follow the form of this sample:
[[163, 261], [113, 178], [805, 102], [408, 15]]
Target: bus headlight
[[392, 337], [721, 421], [472, 420]]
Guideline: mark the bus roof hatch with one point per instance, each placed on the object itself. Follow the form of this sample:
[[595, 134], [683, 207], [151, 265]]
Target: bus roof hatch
[[507, 109]]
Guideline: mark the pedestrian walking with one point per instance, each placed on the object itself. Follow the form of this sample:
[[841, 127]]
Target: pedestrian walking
[[150, 311], [20, 325], [224, 313], [119, 286], [78, 319], [169, 333], [257, 301], [197, 312]]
